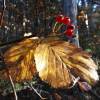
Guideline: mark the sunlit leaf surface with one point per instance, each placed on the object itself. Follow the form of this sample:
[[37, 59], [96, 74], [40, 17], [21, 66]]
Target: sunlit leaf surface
[[57, 62]]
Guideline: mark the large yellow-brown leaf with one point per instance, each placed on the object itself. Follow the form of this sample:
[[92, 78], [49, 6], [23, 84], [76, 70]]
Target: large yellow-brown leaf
[[20, 61], [51, 68], [57, 61], [78, 60], [18, 50]]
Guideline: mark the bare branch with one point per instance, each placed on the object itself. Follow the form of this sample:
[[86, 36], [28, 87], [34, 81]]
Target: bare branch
[[30, 85], [13, 87]]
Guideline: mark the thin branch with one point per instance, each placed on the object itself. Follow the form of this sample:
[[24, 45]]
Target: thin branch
[[75, 80], [53, 30], [2, 16], [59, 28], [13, 87], [21, 39], [14, 41], [30, 85]]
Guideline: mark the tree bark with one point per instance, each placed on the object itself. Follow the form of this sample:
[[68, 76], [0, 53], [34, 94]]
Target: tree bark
[[70, 9]]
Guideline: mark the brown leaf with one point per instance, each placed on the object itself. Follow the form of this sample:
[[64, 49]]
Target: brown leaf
[[55, 60], [20, 59], [50, 67]]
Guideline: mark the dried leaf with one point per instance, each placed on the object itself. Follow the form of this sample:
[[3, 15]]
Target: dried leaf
[[56, 61], [20, 59], [18, 50], [58, 58], [82, 65], [50, 67]]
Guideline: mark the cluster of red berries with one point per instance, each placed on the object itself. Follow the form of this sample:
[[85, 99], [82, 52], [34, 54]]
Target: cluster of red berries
[[67, 21]]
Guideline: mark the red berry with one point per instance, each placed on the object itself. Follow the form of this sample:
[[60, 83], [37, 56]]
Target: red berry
[[63, 19], [59, 18], [71, 26], [66, 20], [69, 32]]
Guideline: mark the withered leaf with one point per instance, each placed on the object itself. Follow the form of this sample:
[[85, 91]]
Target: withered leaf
[[56, 61], [20, 61], [50, 67]]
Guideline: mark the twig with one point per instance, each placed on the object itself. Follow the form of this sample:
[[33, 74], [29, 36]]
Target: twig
[[53, 30], [21, 39], [14, 41], [30, 85], [13, 87], [59, 27], [4, 4], [75, 80]]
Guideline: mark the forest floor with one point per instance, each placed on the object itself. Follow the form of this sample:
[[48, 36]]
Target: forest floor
[[54, 94]]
